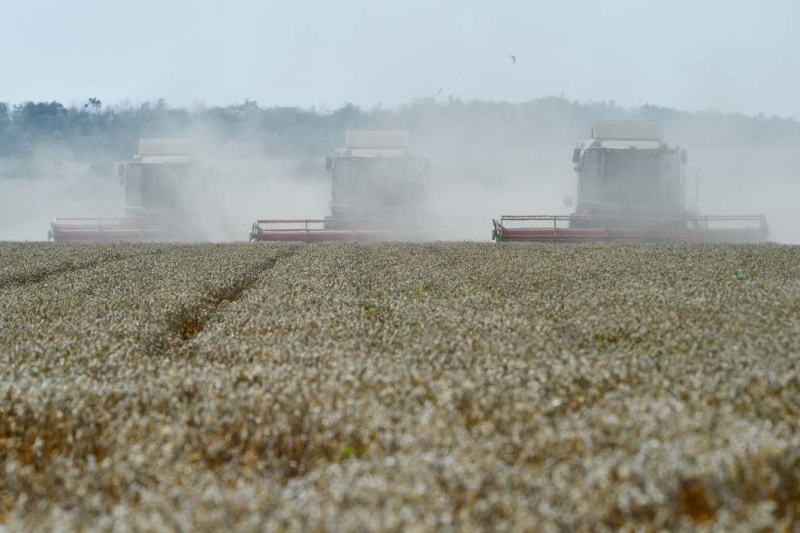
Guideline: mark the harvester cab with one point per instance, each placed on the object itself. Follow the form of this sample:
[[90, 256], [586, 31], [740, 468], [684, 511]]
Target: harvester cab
[[379, 191], [156, 185], [626, 169], [631, 186], [376, 176], [157, 180]]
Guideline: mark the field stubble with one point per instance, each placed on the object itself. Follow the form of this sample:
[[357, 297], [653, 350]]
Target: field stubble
[[344, 386]]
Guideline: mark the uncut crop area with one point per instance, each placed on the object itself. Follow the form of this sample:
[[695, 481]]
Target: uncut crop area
[[396, 386]]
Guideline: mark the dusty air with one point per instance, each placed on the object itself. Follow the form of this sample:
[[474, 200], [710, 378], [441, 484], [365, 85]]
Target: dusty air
[[400, 266]]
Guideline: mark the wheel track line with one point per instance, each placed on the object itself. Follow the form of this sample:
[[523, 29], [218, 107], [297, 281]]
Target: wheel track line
[[190, 323], [44, 275]]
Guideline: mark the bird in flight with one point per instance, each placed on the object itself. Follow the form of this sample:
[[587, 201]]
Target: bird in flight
[[513, 58], [440, 90]]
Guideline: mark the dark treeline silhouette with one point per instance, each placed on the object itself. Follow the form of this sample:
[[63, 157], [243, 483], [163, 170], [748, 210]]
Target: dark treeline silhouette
[[99, 135]]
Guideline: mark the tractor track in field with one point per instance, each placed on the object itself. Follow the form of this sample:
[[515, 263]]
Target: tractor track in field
[[190, 322], [24, 279]]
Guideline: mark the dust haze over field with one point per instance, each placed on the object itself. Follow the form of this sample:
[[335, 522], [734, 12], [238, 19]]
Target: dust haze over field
[[240, 187], [486, 159], [391, 386], [475, 87]]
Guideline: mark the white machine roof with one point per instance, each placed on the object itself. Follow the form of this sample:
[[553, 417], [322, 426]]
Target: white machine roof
[[625, 145], [627, 130], [374, 152], [376, 139], [163, 159], [167, 147]]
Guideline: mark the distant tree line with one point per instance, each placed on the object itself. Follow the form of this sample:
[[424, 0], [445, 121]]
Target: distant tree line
[[101, 134]]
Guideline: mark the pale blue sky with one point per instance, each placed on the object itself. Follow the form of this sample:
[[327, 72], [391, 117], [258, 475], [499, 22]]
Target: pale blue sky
[[733, 56]]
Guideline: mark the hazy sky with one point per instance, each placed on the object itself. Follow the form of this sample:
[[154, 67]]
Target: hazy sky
[[730, 55]]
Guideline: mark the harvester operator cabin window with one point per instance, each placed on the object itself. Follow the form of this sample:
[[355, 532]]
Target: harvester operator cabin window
[[161, 185], [343, 189], [632, 177], [673, 185], [388, 185], [589, 182], [133, 186]]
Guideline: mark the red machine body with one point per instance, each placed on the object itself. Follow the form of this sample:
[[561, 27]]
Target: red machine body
[[744, 229], [113, 229], [319, 230]]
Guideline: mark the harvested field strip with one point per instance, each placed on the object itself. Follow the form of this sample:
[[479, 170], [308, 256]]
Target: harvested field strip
[[393, 386]]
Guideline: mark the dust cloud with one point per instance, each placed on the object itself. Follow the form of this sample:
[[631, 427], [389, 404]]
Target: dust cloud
[[480, 169], [747, 180], [233, 187]]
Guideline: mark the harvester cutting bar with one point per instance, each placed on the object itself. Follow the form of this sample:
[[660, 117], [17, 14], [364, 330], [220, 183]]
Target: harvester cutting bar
[[330, 230], [106, 229], [749, 228]]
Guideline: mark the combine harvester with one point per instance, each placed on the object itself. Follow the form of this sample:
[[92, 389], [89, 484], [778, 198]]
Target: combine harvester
[[379, 192], [156, 185], [631, 186]]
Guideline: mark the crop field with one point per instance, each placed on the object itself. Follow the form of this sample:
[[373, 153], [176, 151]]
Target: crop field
[[399, 386]]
